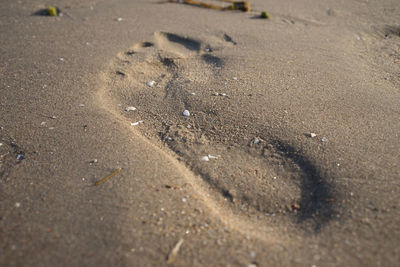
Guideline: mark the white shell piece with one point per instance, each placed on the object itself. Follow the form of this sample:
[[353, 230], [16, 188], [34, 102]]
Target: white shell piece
[[136, 123], [130, 108], [205, 158], [151, 83]]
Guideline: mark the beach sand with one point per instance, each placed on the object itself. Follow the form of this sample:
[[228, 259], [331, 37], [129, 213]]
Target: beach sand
[[289, 155]]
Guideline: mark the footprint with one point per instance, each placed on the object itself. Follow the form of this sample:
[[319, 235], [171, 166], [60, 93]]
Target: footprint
[[267, 177]]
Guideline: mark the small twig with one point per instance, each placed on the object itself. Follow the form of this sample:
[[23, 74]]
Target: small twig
[[174, 251], [236, 5], [107, 177]]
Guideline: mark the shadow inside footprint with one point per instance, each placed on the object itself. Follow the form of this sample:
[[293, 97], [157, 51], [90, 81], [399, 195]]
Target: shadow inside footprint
[[168, 62], [229, 39], [188, 43], [392, 30], [316, 194], [212, 60], [145, 44], [139, 46]]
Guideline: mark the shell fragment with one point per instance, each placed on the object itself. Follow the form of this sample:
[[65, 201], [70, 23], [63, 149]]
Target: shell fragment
[[136, 123], [151, 83], [130, 108]]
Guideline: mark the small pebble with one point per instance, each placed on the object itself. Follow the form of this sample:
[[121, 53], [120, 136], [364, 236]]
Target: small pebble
[[186, 113], [20, 157], [1, 144], [193, 93], [205, 158], [324, 139], [211, 157], [61, 59], [53, 117], [151, 83], [219, 94], [17, 205], [295, 206], [184, 199], [130, 108], [81, 105], [252, 265], [93, 161], [119, 19], [234, 78], [312, 135], [188, 126], [51, 128], [43, 123], [256, 141]]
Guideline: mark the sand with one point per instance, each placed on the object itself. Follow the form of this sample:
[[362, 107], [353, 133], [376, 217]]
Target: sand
[[238, 182]]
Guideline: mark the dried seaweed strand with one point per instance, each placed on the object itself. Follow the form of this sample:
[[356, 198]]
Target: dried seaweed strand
[[174, 251], [236, 5], [107, 177]]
